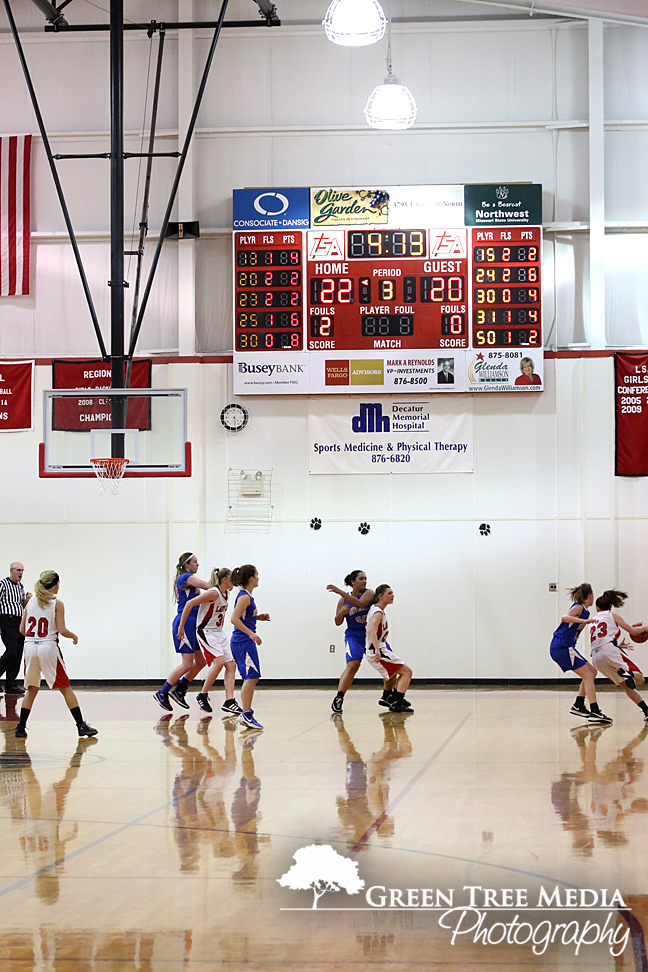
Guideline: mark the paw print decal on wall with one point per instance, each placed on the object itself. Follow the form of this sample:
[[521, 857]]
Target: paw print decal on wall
[[316, 523], [484, 529], [364, 529]]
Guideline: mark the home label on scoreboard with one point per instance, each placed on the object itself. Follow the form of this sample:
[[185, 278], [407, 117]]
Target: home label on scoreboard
[[380, 288]]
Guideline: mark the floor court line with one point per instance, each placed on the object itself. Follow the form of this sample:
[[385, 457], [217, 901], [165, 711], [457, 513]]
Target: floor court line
[[310, 729], [94, 843], [408, 787]]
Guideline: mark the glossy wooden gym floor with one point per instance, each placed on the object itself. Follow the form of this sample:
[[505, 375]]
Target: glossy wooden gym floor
[[158, 845]]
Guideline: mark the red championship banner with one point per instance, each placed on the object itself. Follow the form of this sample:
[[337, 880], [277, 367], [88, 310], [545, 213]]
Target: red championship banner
[[16, 396], [89, 412], [631, 412]]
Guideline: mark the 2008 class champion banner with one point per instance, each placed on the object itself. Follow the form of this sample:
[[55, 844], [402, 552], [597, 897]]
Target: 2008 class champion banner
[[385, 435], [631, 414]]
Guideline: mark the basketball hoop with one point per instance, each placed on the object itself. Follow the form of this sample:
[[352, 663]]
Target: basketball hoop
[[110, 473]]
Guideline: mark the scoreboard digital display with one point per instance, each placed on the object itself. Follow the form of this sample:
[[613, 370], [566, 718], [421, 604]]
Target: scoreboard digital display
[[268, 294], [507, 299], [372, 289], [441, 285]]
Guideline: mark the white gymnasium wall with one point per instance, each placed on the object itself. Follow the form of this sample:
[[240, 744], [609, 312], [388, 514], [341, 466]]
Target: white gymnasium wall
[[499, 101], [467, 606]]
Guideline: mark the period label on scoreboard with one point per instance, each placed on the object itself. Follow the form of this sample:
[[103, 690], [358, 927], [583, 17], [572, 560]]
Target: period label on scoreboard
[[391, 276]]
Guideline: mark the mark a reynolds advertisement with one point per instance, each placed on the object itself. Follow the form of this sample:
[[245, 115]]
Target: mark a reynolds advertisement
[[271, 208], [515, 371], [386, 435], [271, 374], [539, 919], [389, 371]]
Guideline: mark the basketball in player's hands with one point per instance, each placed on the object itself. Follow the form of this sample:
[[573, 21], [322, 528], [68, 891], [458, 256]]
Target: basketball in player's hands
[[639, 634]]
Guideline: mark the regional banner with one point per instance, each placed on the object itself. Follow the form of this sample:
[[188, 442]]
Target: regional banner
[[390, 435], [16, 396], [91, 411], [631, 414]]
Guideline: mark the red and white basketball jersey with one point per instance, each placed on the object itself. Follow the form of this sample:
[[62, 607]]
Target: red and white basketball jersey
[[211, 614], [40, 624], [604, 630], [383, 629]]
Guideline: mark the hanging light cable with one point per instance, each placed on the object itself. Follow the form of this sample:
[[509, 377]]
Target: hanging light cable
[[391, 105], [355, 23]]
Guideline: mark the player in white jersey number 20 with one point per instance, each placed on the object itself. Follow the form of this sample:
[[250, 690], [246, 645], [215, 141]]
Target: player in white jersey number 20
[[42, 622]]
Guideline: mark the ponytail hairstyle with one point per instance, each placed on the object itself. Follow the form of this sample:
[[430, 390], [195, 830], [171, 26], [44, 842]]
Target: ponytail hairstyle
[[180, 570], [217, 575], [43, 587], [581, 593], [350, 578], [610, 599], [380, 590], [241, 576]]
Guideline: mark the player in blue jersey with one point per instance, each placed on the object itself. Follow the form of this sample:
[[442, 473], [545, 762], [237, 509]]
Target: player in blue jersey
[[564, 652], [353, 608], [185, 587], [245, 639]]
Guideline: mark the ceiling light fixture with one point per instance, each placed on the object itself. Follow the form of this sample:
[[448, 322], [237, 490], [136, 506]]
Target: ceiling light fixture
[[355, 23], [391, 105]]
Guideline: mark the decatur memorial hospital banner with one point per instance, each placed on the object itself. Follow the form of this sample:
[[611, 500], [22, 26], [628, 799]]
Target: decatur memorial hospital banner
[[631, 414], [389, 435]]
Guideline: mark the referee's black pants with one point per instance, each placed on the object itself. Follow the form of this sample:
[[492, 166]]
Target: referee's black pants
[[13, 642]]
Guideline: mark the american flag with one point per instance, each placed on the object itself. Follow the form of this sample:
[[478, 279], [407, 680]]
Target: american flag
[[15, 155]]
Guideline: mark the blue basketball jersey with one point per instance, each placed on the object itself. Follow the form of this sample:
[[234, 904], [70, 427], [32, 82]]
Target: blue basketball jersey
[[356, 623], [184, 596], [567, 634], [248, 618]]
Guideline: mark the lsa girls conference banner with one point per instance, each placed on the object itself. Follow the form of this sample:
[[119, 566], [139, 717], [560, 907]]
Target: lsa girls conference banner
[[631, 412], [389, 435]]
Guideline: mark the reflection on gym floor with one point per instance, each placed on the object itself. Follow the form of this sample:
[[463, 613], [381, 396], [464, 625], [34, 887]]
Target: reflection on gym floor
[[158, 845]]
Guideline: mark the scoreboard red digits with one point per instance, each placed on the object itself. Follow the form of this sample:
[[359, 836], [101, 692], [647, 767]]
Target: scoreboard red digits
[[268, 291], [506, 287], [381, 288]]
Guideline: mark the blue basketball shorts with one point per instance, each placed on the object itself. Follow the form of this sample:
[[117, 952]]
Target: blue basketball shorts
[[355, 649], [190, 635], [246, 656], [569, 659]]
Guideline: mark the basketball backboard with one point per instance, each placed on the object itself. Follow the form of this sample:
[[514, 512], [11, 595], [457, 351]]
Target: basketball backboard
[[147, 426]]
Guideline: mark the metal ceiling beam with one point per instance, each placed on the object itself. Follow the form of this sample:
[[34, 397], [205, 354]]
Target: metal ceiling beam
[[51, 13]]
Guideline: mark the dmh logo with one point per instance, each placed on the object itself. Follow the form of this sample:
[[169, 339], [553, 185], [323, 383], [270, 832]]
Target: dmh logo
[[370, 419]]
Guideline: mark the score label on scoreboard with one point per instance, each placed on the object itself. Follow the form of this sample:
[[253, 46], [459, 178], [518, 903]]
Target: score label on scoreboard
[[387, 289], [415, 292]]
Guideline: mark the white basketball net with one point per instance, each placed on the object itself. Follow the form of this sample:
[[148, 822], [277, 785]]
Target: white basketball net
[[110, 473]]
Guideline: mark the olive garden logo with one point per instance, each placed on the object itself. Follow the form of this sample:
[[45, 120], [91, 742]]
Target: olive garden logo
[[337, 207]]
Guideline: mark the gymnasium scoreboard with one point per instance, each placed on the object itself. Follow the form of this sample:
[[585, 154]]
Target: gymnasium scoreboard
[[405, 288]]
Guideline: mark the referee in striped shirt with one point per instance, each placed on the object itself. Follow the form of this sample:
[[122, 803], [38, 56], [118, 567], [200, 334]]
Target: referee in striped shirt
[[12, 602]]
